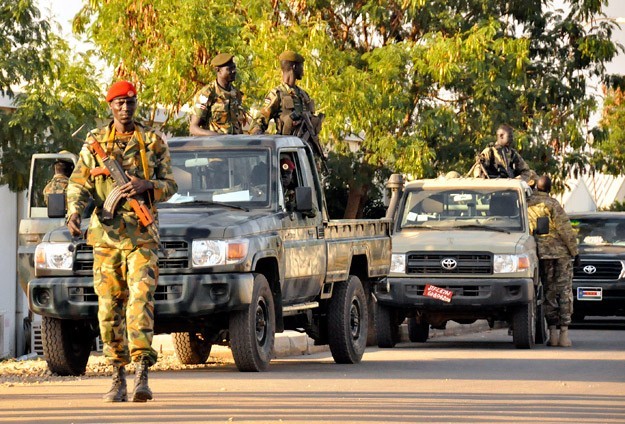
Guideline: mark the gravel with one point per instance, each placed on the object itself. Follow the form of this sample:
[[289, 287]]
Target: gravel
[[35, 371]]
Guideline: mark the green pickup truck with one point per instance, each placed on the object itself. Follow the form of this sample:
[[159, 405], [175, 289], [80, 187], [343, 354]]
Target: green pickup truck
[[238, 262], [462, 251]]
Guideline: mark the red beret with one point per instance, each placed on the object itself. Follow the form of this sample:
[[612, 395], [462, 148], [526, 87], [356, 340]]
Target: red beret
[[287, 164], [121, 89]]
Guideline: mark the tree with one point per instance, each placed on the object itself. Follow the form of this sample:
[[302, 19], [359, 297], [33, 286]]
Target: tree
[[426, 81], [59, 92]]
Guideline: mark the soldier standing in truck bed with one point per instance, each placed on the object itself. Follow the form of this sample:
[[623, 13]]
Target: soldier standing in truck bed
[[218, 106], [290, 107], [501, 159]]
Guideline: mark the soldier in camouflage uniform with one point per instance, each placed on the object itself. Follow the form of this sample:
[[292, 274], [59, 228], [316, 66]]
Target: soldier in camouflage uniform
[[290, 107], [555, 250], [218, 106], [125, 267], [57, 185], [501, 160]]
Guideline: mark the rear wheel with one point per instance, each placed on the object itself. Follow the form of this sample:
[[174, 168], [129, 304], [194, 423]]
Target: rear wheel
[[191, 348], [66, 345], [348, 321], [252, 331], [418, 332], [387, 326], [524, 325]]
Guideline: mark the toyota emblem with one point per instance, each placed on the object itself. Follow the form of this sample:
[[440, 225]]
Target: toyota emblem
[[590, 269], [449, 263]]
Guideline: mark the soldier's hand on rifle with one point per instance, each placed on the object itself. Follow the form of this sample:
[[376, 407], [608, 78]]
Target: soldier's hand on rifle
[[73, 224], [135, 186]]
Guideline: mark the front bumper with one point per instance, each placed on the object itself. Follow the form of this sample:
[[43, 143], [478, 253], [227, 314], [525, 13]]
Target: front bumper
[[469, 294], [177, 296], [612, 301]]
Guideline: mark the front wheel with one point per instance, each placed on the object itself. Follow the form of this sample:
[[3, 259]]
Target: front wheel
[[524, 325], [191, 348], [387, 326], [347, 321], [66, 345], [252, 331], [418, 332]]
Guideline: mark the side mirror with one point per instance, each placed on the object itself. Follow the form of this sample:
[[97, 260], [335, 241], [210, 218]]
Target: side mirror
[[56, 205], [542, 226], [304, 201]]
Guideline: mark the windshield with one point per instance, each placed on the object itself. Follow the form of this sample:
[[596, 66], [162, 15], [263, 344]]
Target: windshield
[[472, 209], [600, 231], [234, 177]]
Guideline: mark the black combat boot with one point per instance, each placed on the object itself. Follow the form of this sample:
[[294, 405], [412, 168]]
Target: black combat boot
[[118, 391], [142, 391]]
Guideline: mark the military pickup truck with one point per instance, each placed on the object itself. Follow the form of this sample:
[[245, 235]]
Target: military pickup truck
[[462, 251], [238, 262]]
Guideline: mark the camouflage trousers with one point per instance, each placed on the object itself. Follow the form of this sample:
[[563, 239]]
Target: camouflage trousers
[[125, 281], [558, 282]]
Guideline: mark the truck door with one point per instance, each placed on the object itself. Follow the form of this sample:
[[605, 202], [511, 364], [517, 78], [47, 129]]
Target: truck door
[[304, 249]]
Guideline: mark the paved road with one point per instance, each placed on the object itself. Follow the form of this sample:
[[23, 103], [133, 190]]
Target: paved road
[[469, 378]]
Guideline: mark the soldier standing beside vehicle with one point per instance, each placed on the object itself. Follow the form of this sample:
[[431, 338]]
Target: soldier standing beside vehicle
[[501, 160], [218, 106], [291, 108], [125, 271], [555, 251], [62, 170]]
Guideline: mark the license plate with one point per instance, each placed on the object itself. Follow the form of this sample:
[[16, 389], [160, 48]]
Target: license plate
[[589, 293], [438, 293]]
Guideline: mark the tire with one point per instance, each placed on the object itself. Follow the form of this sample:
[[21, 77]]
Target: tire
[[252, 331], [348, 321], [542, 331], [524, 326], [387, 327], [372, 334], [66, 345], [418, 332], [191, 348]]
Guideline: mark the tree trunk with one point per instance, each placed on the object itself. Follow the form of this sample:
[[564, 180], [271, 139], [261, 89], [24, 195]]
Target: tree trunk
[[356, 200]]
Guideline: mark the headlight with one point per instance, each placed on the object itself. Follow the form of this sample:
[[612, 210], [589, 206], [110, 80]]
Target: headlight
[[510, 263], [53, 256], [398, 263], [218, 252]]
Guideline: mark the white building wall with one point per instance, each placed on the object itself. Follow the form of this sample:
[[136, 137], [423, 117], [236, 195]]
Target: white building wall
[[8, 269]]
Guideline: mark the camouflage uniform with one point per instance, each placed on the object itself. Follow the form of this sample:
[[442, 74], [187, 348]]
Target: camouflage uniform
[[504, 162], [282, 104], [125, 270], [220, 110], [56, 185], [555, 251]]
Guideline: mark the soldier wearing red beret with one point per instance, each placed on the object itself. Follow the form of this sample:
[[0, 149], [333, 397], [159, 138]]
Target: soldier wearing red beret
[[125, 271]]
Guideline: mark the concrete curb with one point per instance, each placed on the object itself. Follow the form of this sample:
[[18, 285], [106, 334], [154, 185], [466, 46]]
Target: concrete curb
[[293, 343]]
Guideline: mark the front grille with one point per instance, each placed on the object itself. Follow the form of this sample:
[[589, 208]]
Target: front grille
[[176, 257], [467, 263], [466, 291], [603, 270], [87, 294]]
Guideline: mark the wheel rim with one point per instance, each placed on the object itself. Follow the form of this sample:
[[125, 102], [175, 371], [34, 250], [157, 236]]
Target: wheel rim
[[354, 318], [262, 317]]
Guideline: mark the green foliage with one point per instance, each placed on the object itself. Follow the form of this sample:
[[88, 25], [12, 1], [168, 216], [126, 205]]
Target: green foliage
[[610, 155], [426, 82], [24, 49], [615, 207], [48, 112]]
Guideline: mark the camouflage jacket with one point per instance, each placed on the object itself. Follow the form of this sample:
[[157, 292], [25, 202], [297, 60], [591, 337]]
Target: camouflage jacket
[[279, 104], [561, 241], [504, 162], [123, 231], [220, 110], [56, 185]]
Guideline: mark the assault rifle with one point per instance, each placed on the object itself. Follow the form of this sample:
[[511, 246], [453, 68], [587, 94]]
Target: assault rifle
[[308, 134], [115, 170]]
